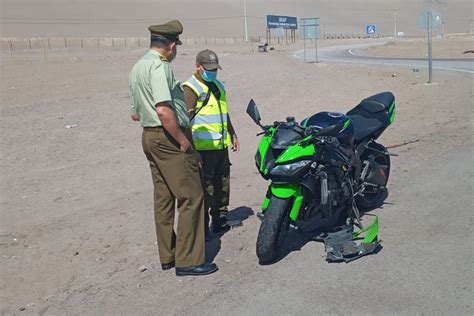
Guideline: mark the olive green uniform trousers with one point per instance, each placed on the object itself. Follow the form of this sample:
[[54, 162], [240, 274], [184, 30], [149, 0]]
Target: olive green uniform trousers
[[216, 181], [176, 179]]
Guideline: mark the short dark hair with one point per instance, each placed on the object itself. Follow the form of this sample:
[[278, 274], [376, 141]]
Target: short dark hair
[[157, 41]]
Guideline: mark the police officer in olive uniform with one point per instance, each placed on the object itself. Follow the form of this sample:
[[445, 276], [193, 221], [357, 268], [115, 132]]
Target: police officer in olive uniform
[[212, 133], [157, 102]]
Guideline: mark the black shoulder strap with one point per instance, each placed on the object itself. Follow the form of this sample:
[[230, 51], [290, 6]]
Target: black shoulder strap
[[204, 103]]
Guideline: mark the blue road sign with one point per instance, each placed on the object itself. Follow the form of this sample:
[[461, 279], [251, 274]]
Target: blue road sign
[[370, 29], [284, 22]]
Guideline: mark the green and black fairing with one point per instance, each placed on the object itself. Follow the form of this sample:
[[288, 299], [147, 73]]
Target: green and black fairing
[[278, 146], [284, 155], [318, 171]]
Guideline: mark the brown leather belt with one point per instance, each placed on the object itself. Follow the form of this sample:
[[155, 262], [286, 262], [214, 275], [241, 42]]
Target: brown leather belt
[[153, 129]]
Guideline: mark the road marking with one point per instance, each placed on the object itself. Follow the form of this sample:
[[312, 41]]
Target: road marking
[[382, 61]]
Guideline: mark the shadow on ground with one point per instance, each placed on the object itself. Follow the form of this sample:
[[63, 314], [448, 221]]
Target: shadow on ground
[[296, 239], [213, 244]]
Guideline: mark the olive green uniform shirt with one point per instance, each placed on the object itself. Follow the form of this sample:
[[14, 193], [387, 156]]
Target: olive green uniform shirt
[[152, 81]]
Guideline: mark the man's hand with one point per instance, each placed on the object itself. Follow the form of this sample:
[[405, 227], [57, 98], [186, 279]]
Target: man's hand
[[184, 145], [135, 117], [235, 144], [170, 124], [198, 158]]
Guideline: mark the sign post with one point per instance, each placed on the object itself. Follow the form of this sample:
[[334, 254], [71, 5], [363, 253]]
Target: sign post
[[428, 20], [245, 22], [430, 47], [310, 30], [281, 23]]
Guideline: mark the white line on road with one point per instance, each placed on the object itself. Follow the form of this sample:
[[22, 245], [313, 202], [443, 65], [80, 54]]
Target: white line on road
[[384, 62]]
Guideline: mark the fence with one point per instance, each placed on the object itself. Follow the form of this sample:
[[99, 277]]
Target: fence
[[14, 46], [10, 44]]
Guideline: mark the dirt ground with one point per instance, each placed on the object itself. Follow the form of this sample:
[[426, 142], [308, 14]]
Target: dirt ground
[[456, 47], [77, 227]]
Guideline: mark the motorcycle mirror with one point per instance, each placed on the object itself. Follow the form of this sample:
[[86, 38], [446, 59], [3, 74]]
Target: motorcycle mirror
[[252, 111]]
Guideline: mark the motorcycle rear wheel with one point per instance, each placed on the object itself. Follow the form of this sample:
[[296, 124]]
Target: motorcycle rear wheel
[[374, 196], [274, 229]]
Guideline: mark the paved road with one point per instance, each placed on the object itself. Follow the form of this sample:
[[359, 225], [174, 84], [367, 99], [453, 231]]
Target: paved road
[[347, 54]]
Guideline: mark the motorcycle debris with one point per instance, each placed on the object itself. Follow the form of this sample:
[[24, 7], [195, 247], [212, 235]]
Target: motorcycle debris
[[342, 243]]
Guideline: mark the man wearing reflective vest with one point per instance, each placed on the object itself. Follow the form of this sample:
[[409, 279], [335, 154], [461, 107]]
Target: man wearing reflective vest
[[212, 133]]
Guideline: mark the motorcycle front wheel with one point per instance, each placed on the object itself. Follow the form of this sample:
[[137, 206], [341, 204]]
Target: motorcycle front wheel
[[274, 229]]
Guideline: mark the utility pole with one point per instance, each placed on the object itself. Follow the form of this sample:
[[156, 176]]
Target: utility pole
[[430, 59], [395, 23], [470, 25], [245, 22]]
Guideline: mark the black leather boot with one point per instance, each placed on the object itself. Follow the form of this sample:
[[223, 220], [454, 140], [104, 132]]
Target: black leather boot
[[218, 226], [203, 269]]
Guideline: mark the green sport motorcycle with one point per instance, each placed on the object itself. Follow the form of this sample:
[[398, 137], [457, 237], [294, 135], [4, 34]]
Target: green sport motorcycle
[[323, 171]]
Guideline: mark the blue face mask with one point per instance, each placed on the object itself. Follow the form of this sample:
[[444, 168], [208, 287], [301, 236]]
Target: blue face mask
[[209, 75]]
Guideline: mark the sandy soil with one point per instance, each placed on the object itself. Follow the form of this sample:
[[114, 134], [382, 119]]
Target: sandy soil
[[76, 204], [211, 18], [453, 48]]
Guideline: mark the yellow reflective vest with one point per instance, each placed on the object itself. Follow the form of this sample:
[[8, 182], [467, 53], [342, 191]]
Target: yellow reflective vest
[[209, 126]]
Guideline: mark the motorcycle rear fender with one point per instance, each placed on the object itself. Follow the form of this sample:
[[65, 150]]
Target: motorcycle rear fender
[[286, 191]]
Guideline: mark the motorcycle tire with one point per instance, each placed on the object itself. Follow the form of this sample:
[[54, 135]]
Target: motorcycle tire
[[274, 229], [372, 200]]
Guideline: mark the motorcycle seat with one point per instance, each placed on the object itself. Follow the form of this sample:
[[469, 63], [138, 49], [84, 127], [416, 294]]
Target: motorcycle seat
[[364, 126], [377, 103]]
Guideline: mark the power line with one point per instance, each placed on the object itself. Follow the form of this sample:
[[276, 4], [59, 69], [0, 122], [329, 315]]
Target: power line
[[43, 20]]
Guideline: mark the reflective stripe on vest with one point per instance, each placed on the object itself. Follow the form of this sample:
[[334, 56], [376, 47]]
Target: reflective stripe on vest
[[208, 135], [209, 119], [209, 126], [201, 94]]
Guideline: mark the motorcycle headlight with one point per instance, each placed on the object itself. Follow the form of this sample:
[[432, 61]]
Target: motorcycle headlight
[[289, 169]]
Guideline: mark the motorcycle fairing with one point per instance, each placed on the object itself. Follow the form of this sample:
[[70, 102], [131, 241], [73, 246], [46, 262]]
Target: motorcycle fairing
[[297, 151], [287, 191], [341, 244]]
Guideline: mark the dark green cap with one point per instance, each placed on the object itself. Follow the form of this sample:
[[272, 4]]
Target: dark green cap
[[208, 59], [170, 30]]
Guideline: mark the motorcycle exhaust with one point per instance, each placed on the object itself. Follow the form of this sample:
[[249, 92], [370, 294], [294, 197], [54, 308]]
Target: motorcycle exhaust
[[376, 175]]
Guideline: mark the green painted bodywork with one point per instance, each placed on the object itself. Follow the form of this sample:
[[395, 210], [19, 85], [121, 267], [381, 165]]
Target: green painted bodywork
[[265, 203], [302, 149], [372, 232], [286, 191], [263, 148], [391, 111], [346, 123]]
